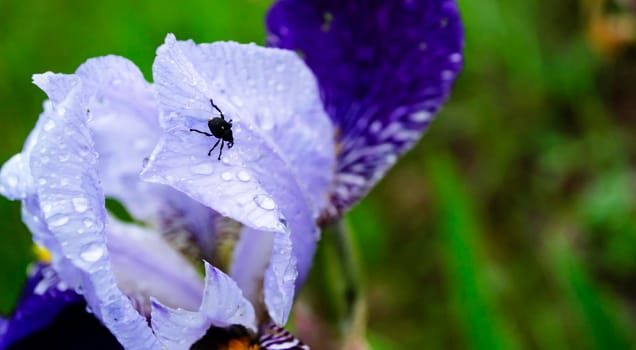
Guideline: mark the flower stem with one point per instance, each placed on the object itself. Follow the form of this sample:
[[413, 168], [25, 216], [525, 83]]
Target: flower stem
[[334, 301]]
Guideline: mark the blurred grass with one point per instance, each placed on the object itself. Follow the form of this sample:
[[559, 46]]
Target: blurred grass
[[511, 225]]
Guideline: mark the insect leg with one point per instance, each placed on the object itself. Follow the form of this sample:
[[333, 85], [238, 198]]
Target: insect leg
[[213, 147], [201, 132], [218, 109], [221, 151]]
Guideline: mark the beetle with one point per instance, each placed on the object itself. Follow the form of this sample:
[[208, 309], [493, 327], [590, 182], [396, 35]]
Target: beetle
[[219, 128]]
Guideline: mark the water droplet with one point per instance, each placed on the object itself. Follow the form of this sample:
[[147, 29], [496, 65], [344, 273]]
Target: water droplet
[[92, 252], [421, 116], [447, 74], [80, 204], [227, 176], [59, 221], [375, 127], [49, 125], [12, 181], [280, 67], [455, 58], [88, 223], [280, 87], [237, 101], [61, 111], [266, 122], [265, 202], [202, 169], [141, 144], [115, 82], [42, 182], [62, 286], [244, 176]]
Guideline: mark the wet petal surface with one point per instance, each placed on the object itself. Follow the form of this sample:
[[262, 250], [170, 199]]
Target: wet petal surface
[[269, 180], [71, 200]]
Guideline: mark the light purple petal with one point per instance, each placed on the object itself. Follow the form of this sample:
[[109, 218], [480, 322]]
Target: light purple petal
[[271, 91], [274, 178], [251, 258], [64, 162], [124, 123], [384, 69], [15, 178], [223, 305], [146, 265], [263, 263]]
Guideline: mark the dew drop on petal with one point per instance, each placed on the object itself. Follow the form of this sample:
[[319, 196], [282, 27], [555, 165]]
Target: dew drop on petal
[[202, 169], [227, 176], [244, 176], [264, 202], [12, 181], [266, 123], [49, 125], [455, 58], [237, 101], [59, 221], [88, 223], [80, 204], [421, 116], [92, 252]]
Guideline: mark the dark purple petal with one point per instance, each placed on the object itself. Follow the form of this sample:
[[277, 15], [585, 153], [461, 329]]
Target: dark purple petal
[[384, 68], [72, 329], [43, 298]]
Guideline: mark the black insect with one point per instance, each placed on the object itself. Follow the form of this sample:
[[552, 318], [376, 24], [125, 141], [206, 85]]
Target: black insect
[[219, 128]]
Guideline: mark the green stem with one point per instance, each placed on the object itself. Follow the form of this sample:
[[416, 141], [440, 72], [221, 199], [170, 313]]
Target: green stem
[[335, 289]]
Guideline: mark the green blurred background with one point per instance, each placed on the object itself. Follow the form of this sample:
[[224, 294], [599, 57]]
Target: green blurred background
[[510, 226]]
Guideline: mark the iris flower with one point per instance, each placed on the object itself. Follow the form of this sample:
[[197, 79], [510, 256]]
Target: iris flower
[[217, 247]]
